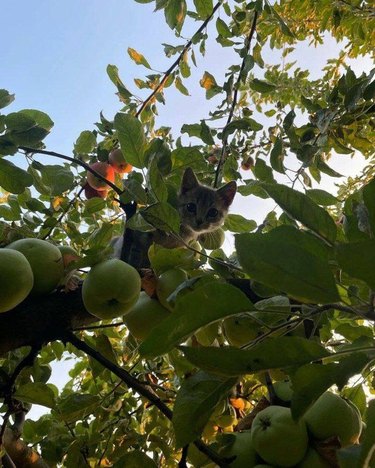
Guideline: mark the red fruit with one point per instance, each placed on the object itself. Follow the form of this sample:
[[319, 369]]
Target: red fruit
[[91, 192], [118, 162], [103, 169], [247, 163]]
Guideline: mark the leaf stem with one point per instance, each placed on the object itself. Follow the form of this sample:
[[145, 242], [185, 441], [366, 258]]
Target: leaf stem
[[178, 60], [235, 97]]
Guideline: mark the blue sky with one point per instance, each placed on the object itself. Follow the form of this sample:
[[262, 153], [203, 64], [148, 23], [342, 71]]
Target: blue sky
[[55, 53]]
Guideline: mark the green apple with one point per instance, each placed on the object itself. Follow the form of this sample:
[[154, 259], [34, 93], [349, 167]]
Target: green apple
[[207, 335], [212, 240], [196, 457], [277, 438], [16, 279], [239, 445], [45, 260], [167, 284], [332, 416], [111, 288], [312, 459], [240, 329], [144, 316], [283, 390]]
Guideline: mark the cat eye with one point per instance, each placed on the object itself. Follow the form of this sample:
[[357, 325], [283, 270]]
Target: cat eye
[[212, 213], [191, 207]]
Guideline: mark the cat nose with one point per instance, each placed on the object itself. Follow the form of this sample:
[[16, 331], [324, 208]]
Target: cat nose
[[199, 221]]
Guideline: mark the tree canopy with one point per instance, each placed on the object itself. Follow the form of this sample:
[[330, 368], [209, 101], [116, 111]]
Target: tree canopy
[[293, 302]]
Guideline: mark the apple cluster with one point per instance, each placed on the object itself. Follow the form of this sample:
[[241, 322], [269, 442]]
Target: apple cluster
[[97, 187], [28, 266], [277, 440]]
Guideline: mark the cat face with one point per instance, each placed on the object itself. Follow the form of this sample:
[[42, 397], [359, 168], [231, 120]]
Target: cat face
[[202, 208]]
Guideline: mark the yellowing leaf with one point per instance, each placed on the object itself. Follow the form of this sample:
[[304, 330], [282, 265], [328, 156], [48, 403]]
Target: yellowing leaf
[[138, 58], [207, 81]]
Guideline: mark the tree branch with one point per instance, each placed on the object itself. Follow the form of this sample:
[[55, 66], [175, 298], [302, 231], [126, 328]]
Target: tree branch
[[177, 61], [235, 97], [133, 383], [53, 314], [74, 161]]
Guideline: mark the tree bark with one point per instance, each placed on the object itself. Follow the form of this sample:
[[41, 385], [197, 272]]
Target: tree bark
[[38, 320]]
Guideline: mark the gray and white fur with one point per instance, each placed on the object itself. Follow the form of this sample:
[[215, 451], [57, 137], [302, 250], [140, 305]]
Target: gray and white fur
[[202, 209]]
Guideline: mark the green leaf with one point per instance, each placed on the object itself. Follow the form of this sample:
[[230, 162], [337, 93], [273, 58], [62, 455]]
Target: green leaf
[[86, 142], [123, 93], [303, 209], [262, 86], [41, 118], [12, 178], [286, 266], [191, 313], [368, 443], [357, 259], [277, 156], [183, 90], [76, 406], [321, 197], [273, 353], [175, 12], [201, 131], [36, 393], [157, 183], [162, 216], [135, 458], [188, 157], [204, 7], [5, 98], [237, 223], [222, 28], [368, 192], [132, 138], [19, 122], [58, 179], [138, 58], [195, 401], [163, 259], [94, 205], [246, 124], [311, 380]]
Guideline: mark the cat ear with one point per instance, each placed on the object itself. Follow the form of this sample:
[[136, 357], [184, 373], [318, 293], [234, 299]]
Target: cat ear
[[227, 192], [189, 180]]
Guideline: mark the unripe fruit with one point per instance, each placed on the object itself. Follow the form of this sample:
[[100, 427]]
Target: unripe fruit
[[240, 330], [118, 162], [277, 438], [46, 263], [16, 279], [111, 288], [144, 316], [167, 284], [104, 169], [239, 445], [332, 416], [212, 240]]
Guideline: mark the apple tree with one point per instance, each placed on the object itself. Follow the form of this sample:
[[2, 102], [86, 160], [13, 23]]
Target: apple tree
[[218, 346]]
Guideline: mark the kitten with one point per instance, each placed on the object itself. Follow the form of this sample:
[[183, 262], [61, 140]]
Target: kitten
[[202, 209]]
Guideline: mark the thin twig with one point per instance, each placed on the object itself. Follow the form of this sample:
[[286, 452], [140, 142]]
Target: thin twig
[[134, 383], [177, 61], [74, 161], [59, 219], [235, 97]]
